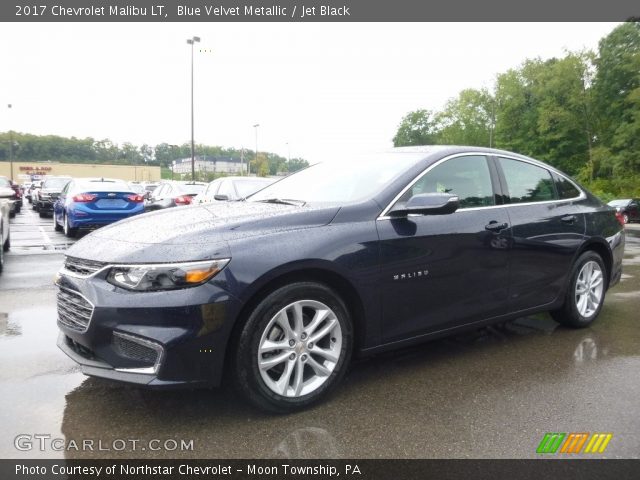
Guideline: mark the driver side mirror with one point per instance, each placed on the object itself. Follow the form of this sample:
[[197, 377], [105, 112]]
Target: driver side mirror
[[222, 198], [428, 204]]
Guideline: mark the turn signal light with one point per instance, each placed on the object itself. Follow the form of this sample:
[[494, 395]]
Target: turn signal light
[[182, 200], [620, 218]]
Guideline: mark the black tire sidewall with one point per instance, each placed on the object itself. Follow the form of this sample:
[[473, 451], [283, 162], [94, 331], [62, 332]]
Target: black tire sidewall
[[246, 371]]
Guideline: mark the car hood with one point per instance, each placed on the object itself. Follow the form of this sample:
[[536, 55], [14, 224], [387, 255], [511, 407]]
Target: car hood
[[194, 232]]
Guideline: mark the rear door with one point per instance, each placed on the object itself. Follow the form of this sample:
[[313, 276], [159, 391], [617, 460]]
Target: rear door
[[547, 230], [440, 271]]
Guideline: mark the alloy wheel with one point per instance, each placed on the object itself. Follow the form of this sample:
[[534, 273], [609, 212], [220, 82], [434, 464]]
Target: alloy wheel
[[589, 289], [299, 349]]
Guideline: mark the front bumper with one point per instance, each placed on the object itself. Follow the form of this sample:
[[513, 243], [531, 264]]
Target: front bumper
[[159, 339]]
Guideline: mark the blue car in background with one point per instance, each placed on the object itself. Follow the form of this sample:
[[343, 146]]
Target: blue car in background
[[90, 203]]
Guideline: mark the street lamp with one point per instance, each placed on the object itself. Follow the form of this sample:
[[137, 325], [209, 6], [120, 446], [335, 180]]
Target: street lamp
[[288, 152], [10, 149], [192, 41], [256, 127]]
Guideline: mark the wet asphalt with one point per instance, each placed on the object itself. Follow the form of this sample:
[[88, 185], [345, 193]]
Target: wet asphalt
[[490, 393]]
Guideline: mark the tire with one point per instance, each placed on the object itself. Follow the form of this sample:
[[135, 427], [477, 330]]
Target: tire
[[7, 243], [68, 231], [588, 275], [42, 214], [56, 225], [309, 374], [1, 255]]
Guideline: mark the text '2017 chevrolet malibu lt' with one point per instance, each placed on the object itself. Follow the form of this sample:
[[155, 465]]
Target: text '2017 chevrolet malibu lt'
[[283, 289]]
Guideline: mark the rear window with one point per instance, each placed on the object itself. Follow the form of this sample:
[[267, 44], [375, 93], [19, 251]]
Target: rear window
[[526, 182], [55, 183], [566, 189], [190, 189], [98, 186]]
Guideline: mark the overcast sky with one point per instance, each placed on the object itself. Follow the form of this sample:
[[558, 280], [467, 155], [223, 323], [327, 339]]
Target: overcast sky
[[320, 87]]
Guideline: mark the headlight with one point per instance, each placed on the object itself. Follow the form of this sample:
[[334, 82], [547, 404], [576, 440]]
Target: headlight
[[164, 276]]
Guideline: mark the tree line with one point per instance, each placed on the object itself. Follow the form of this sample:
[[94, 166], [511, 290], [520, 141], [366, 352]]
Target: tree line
[[579, 113], [28, 147]]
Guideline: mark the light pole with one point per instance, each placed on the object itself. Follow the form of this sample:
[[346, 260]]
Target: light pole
[[288, 152], [192, 41], [10, 149], [256, 127]]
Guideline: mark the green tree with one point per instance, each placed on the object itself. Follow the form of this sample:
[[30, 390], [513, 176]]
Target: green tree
[[467, 119], [416, 128]]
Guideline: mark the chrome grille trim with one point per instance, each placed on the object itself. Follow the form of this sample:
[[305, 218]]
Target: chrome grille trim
[[78, 267], [74, 310]]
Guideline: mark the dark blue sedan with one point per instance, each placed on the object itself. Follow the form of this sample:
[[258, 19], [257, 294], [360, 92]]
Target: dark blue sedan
[[90, 203], [282, 290]]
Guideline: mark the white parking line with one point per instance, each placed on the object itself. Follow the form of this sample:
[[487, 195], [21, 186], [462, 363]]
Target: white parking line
[[45, 235]]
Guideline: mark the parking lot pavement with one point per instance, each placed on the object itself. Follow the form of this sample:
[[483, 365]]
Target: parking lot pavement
[[490, 393]]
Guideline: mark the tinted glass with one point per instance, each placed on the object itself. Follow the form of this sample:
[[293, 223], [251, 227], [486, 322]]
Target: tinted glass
[[97, 186], [618, 203], [527, 182], [247, 187], [468, 177], [566, 189], [55, 182], [188, 189], [341, 180], [226, 188]]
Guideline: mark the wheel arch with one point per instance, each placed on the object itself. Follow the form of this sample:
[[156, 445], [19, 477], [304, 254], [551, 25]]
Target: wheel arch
[[288, 274], [601, 247]]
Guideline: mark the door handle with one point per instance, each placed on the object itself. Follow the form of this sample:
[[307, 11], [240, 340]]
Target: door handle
[[568, 219], [494, 226]]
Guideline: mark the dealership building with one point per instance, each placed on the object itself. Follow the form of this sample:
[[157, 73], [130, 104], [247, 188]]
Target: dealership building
[[28, 171], [210, 164]]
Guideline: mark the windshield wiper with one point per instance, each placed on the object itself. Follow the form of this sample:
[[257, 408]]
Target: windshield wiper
[[284, 201]]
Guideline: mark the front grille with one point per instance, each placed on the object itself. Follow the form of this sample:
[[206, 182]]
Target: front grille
[[127, 347], [82, 267], [74, 311]]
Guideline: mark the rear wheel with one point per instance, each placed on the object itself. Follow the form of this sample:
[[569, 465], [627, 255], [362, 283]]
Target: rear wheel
[[68, 231], [586, 292], [42, 214], [294, 348]]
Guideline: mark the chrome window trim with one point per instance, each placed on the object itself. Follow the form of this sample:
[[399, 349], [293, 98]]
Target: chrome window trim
[[582, 196], [74, 292], [146, 343]]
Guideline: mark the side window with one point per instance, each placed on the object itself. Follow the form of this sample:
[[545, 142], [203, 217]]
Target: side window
[[566, 189], [226, 188], [159, 193], [212, 190], [527, 182], [468, 177]]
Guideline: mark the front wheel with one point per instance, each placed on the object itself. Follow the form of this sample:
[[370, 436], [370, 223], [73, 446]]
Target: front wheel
[[294, 347], [585, 295]]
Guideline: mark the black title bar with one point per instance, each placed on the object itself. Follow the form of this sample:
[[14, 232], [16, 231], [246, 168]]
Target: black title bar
[[315, 10]]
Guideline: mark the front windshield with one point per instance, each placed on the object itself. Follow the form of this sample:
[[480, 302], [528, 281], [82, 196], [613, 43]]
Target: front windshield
[[339, 182], [618, 203]]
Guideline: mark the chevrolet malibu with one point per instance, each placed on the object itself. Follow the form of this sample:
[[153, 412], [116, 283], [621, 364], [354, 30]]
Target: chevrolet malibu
[[280, 291]]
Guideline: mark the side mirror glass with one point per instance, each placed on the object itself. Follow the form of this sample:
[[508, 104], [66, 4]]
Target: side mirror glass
[[222, 198], [428, 204]]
